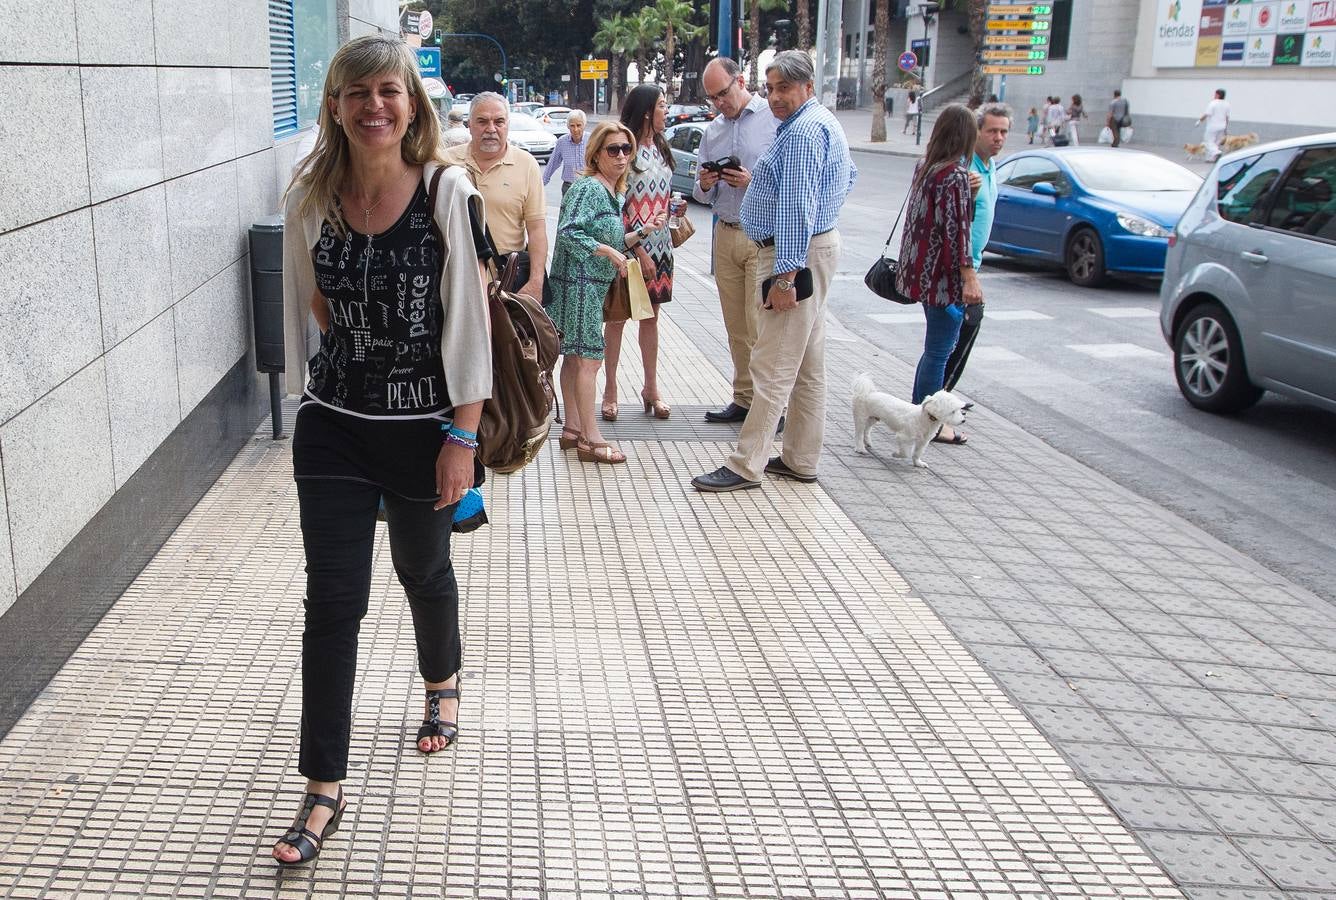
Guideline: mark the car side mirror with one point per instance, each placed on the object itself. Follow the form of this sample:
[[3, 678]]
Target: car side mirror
[[1044, 188]]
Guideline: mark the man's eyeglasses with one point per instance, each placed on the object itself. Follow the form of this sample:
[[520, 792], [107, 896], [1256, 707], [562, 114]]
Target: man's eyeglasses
[[715, 98], [618, 149]]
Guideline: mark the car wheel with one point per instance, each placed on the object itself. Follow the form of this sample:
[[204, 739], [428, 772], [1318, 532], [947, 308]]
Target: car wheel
[[1085, 258], [1208, 362]]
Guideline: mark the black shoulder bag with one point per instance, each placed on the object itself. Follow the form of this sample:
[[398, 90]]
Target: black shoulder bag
[[880, 279]]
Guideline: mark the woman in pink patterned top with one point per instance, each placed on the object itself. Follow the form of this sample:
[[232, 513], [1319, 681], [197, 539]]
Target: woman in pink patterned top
[[647, 194], [935, 264]]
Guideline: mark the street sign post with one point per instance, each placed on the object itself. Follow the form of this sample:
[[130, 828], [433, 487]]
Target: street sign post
[[1017, 69], [908, 61], [593, 69], [1016, 40]]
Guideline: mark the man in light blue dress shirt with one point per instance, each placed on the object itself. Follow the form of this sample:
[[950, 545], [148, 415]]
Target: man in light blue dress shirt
[[790, 210], [744, 130]]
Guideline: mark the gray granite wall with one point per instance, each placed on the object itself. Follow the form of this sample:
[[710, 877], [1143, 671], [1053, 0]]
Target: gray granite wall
[[138, 140]]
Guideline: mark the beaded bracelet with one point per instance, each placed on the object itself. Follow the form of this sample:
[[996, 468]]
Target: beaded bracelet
[[452, 438]]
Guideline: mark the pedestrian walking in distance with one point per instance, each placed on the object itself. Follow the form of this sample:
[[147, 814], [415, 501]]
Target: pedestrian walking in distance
[[1032, 124], [390, 411], [1075, 113], [649, 187], [1120, 117], [1216, 118], [790, 211], [935, 264], [591, 246], [569, 157], [743, 131], [994, 123], [911, 110]]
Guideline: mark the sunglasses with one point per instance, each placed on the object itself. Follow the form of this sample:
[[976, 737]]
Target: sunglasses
[[618, 149]]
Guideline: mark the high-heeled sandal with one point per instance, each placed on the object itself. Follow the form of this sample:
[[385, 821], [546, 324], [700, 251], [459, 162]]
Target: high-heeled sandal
[[568, 443], [656, 408], [305, 841], [599, 453], [432, 726], [608, 410]]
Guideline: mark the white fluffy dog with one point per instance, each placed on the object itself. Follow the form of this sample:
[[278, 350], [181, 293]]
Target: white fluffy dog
[[913, 425]]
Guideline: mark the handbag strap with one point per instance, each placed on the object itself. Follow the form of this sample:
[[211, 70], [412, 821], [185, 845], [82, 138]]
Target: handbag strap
[[898, 216]]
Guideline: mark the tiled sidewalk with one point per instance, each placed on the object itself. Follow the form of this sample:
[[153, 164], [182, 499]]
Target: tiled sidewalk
[[665, 694]]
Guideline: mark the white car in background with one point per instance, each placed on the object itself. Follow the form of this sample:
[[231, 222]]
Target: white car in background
[[528, 133], [554, 118]]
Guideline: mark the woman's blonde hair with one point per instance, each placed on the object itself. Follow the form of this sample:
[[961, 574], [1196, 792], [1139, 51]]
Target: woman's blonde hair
[[602, 133], [326, 168]]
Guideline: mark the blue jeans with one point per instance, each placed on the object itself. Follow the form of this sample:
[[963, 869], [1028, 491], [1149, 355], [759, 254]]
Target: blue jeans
[[938, 342]]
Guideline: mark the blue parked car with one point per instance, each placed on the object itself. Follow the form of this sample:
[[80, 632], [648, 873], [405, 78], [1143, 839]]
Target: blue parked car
[[1094, 210]]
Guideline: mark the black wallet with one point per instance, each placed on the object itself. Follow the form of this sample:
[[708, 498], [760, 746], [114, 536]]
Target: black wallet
[[802, 283]]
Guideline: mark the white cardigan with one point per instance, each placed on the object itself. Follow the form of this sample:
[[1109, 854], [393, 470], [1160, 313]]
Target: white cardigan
[[466, 345]]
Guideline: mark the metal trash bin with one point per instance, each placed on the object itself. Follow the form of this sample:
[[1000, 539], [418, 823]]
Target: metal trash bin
[[266, 269]]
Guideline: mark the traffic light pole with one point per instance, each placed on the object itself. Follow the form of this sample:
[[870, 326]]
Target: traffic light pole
[[725, 35]]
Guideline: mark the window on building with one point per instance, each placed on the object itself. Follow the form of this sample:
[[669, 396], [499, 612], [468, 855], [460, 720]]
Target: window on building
[[1059, 35], [303, 35]]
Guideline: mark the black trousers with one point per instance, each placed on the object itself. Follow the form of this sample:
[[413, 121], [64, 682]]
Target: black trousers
[[338, 519], [969, 330]]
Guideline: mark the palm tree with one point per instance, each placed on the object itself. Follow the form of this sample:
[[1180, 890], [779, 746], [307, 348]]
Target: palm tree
[[643, 29], [804, 17], [615, 35], [977, 10], [674, 19], [754, 34], [882, 29]]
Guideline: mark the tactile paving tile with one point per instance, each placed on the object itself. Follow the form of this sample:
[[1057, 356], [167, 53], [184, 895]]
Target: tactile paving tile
[[665, 694]]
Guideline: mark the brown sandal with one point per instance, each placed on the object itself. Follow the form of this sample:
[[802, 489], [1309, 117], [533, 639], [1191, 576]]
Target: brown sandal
[[599, 453], [609, 411], [656, 408], [569, 439]]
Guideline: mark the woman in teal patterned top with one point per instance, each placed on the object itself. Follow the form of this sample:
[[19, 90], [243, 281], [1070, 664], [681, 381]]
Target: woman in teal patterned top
[[590, 251]]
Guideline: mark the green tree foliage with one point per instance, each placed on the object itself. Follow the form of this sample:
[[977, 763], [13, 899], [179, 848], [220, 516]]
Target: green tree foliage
[[674, 21]]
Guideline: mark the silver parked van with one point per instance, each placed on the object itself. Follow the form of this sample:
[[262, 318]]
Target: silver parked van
[[1248, 300]]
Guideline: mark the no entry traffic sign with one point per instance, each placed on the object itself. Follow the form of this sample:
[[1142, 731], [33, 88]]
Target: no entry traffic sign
[[908, 61]]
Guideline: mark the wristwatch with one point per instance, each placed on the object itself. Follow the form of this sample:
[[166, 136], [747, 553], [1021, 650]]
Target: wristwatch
[[783, 284], [643, 232]]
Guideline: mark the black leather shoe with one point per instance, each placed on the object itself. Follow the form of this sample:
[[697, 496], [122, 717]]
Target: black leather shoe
[[776, 466], [721, 480], [730, 413]]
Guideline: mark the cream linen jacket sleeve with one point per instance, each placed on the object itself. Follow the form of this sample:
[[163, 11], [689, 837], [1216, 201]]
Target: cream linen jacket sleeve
[[466, 344]]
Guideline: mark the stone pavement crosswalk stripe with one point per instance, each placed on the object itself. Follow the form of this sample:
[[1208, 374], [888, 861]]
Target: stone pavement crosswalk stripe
[[1126, 312], [995, 355], [898, 318], [1016, 315], [1114, 351]]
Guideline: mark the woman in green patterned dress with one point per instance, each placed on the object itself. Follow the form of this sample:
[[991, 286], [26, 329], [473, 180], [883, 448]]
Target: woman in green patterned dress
[[590, 251]]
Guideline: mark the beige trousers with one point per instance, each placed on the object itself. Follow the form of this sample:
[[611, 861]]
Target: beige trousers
[[735, 273], [788, 368]]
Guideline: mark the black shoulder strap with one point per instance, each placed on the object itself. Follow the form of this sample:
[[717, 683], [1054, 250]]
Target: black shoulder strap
[[898, 216]]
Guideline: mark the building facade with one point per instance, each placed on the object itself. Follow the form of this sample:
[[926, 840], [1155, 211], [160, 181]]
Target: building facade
[[141, 141]]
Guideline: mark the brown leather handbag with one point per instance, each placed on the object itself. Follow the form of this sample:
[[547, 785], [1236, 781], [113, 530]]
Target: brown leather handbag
[[525, 347], [682, 232]]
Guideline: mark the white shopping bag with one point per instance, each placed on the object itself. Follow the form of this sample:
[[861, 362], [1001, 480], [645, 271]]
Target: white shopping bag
[[1106, 135], [1126, 135]]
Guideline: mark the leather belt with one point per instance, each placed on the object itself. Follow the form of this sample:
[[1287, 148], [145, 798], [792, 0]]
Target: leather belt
[[770, 241], [730, 224]]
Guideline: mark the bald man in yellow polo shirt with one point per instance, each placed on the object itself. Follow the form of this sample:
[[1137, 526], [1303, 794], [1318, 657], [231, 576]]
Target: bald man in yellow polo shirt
[[512, 190]]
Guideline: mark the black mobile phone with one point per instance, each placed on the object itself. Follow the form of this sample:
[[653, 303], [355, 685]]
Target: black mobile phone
[[802, 284], [719, 165]]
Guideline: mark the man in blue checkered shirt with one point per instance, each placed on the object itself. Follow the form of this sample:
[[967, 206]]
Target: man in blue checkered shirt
[[790, 211]]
